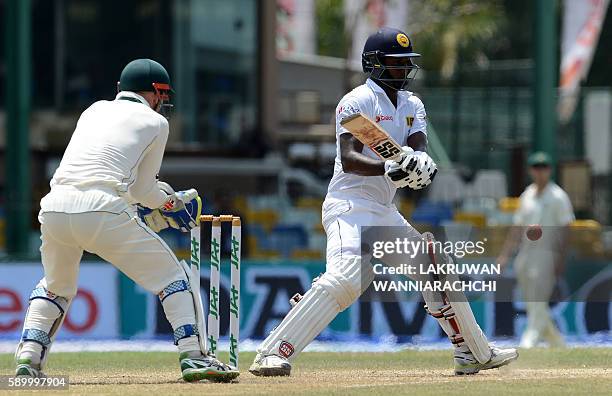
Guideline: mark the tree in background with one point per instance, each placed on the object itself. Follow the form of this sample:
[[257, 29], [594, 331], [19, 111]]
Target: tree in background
[[446, 31], [331, 40], [451, 31]]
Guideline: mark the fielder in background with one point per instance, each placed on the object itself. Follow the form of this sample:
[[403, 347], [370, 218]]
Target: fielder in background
[[540, 262], [111, 164], [360, 194]]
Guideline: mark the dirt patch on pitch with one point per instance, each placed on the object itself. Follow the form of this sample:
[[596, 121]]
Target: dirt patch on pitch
[[327, 381]]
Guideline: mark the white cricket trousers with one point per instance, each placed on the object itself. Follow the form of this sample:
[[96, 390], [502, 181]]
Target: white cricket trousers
[[343, 281], [535, 273], [121, 239]]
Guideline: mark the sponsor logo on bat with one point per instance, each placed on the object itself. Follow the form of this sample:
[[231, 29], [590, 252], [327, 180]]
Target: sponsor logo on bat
[[386, 149]]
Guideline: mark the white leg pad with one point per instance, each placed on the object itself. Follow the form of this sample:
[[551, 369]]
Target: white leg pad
[[454, 309], [44, 317], [474, 338], [178, 303], [331, 294]]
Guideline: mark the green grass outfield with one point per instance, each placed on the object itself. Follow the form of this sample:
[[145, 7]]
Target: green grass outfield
[[537, 372]]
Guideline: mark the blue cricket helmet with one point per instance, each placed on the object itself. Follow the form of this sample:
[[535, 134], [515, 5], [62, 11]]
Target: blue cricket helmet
[[389, 43]]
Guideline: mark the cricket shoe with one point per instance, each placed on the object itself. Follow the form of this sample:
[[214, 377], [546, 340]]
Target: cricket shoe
[[270, 366], [466, 363], [25, 368], [206, 368]]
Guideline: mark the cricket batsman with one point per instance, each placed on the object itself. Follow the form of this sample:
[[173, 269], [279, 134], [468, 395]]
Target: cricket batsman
[[360, 194], [110, 165]]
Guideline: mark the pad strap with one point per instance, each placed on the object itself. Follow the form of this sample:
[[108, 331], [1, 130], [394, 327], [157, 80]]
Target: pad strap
[[36, 335], [174, 287], [447, 313], [185, 331], [59, 301]]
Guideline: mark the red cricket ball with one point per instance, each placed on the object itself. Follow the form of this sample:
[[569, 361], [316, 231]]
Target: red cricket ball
[[534, 232]]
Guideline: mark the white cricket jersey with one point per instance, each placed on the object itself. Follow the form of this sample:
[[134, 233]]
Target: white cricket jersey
[[551, 209], [112, 159], [370, 99]]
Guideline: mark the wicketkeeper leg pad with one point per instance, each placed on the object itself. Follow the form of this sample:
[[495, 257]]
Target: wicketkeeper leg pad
[[45, 315], [178, 303]]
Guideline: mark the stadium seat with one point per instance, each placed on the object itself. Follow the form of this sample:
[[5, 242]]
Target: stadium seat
[[406, 207], [448, 187], [308, 218], [307, 254], [495, 236], [457, 231], [309, 203], [432, 213], [240, 204], [509, 204], [287, 238], [317, 241], [475, 219], [587, 238], [490, 183], [483, 205], [267, 218], [301, 152]]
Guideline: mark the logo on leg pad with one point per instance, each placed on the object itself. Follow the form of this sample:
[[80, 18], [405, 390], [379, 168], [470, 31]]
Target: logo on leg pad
[[285, 349]]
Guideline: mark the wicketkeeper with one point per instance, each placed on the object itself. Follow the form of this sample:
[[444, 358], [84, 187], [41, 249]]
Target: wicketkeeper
[[109, 166], [361, 194]]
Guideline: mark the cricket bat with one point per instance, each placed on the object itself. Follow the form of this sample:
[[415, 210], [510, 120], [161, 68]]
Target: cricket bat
[[372, 135]]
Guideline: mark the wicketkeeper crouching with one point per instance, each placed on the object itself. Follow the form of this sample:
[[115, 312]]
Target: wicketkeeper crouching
[[111, 164]]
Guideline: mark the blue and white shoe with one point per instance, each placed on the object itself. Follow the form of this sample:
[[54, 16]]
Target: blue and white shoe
[[206, 368]]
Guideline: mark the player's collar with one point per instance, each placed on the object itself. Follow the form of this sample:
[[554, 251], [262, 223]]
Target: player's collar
[[129, 95], [377, 89]]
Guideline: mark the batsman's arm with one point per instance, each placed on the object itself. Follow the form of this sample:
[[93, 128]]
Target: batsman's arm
[[417, 141], [145, 189], [353, 161]]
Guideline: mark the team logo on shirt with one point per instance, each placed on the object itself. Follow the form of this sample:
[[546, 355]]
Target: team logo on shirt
[[403, 40], [347, 110], [409, 121], [382, 117]]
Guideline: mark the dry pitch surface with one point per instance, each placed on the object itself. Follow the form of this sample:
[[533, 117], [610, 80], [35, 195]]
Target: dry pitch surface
[[537, 372]]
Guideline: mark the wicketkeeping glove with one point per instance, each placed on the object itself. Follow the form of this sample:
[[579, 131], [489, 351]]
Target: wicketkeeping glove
[[182, 210], [153, 218]]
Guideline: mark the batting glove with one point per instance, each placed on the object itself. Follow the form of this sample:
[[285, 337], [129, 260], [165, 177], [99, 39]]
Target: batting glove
[[425, 170]]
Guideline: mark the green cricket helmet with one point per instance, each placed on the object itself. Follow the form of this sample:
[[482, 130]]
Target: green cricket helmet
[[149, 76]]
